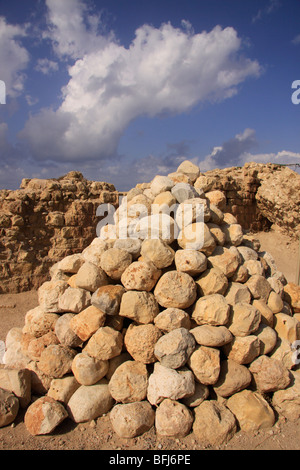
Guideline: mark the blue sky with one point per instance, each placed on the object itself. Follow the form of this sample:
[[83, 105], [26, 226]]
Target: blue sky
[[122, 90]]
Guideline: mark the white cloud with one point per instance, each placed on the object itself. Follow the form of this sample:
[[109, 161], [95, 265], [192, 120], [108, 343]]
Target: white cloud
[[236, 152], [46, 66], [164, 71], [14, 56]]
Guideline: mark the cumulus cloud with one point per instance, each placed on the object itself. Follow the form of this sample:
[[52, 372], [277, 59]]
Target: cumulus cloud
[[14, 57], [164, 71]]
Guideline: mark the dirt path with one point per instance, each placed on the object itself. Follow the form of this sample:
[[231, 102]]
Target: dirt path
[[98, 434]]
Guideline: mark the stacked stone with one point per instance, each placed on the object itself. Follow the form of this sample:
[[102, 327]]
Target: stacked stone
[[160, 329]]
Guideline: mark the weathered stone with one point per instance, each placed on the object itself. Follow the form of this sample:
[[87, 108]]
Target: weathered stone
[[115, 362], [243, 349], [37, 345], [237, 293], [132, 419], [287, 327], [287, 402], [171, 319], [71, 264], [259, 287], [131, 245], [129, 382], [213, 336], [211, 309], [114, 262], [90, 401], [217, 198], [192, 211], [105, 344], [269, 374], [244, 319], [175, 289], [189, 169], [174, 348], [275, 302], [217, 233], [205, 364], [183, 191], [169, 383], [163, 203], [38, 323], [173, 419], [233, 234], [214, 423], [292, 296], [241, 275], [9, 407], [233, 378], [267, 316], [49, 294], [65, 333], [88, 370], [74, 300], [155, 226], [140, 306], [44, 415], [140, 275], [140, 341], [197, 236], [251, 410], [160, 184], [40, 382], [62, 389], [285, 353], [87, 322], [16, 381], [267, 338], [191, 262], [157, 252], [56, 360], [201, 393], [90, 277], [108, 298], [212, 281], [225, 260], [247, 253]]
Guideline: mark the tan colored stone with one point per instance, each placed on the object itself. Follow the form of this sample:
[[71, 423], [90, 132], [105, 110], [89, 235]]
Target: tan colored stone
[[197, 236], [108, 299], [237, 293], [9, 407], [217, 198], [173, 419], [212, 281], [267, 338], [130, 420], [287, 402], [169, 383], [287, 327], [211, 309], [129, 382], [37, 345], [259, 287], [225, 260], [174, 348], [114, 262], [213, 336], [233, 234], [243, 349], [17, 381], [87, 322], [62, 389], [244, 319], [74, 300], [105, 344], [267, 316], [189, 169], [140, 275], [269, 374], [88, 370], [175, 289], [44, 415], [201, 393], [292, 296], [49, 294], [90, 277], [214, 423], [140, 341], [38, 323], [275, 302], [172, 318], [191, 262], [205, 364], [65, 333], [163, 202], [233, 378], [140, 306], [217, 233], [251, 410], [56, 360], [157, 252]]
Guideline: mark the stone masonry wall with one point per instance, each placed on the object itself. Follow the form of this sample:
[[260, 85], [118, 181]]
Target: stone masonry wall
[[44, 221]]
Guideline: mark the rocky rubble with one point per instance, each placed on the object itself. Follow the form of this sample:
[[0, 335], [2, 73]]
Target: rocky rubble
[[192, 330]]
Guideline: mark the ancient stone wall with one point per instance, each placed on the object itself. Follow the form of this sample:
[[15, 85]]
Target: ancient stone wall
[[44, 221]]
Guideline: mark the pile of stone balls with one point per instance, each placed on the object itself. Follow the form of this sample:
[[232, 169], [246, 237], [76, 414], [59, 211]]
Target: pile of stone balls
[[184, 325]]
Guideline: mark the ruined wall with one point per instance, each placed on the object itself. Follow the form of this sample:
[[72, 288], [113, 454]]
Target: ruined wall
[[44, 221]]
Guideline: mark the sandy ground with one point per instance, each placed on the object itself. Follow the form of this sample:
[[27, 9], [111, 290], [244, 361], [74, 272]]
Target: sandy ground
[[98, 434]]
